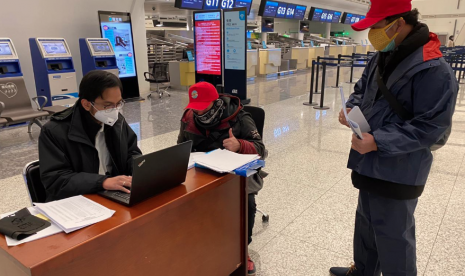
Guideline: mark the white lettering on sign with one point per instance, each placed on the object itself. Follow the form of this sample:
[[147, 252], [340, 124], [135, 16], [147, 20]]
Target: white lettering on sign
[[8, 89]]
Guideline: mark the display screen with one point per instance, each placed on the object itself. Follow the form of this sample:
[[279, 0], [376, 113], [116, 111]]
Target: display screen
[[337, 17], [117, 28], [244, 3], [267, 25], [350, 18], [227, 4], [281, 11], [101, 47], [300, 12], [317, 14], [304, 27], [5, 49], [208, 43], [290, 11], [270, 9], [192, 4], [54, 48]]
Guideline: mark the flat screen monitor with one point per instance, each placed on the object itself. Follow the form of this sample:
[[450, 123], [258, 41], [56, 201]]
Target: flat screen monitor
[[54, 47], [290, 11], [350, 18], [189, 4], [337, 17], [5, 49], [190, 57], [244, 3], [304, 27], [281, 11], [101, 47], [267, 25], [117, 28], [315, 14], [326, 16], [268, 9], [300, 12], [207, 35]]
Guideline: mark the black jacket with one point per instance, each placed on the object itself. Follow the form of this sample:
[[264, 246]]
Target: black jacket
[[243, 127], [69, 162]]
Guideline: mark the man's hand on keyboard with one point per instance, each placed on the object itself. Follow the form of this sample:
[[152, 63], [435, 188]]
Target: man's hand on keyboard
[[118, 183]]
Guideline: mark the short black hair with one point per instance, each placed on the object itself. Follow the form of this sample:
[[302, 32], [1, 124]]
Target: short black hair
[[410, 17], [451, 37], [95, 82]]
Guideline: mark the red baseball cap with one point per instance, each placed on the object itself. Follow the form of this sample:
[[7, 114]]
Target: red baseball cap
[[379, 10], [201, 95]]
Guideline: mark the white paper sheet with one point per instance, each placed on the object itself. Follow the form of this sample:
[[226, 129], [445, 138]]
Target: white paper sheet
[[353, 125], [74, 213], [49, 231], [193, 159], [224, 161]]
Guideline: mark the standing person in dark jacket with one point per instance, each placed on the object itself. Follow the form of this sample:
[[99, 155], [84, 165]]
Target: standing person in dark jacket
[[390, 165], [212, 122], [89, 147]]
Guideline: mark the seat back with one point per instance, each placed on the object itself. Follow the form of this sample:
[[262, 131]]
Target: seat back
[[160, 72], [31, 174], [258, 115], [13, 94]]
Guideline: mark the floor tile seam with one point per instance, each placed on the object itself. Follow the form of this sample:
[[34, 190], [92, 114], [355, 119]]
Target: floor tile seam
[[442, 219]]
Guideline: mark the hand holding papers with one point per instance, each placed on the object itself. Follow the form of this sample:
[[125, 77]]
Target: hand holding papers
[[355, 118]]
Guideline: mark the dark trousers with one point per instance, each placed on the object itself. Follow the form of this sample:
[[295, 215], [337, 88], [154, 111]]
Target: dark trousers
[[384, 239], [251, 215]]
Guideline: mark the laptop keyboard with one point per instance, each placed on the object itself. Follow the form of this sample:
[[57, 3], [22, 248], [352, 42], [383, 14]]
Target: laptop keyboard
[[124, 196]]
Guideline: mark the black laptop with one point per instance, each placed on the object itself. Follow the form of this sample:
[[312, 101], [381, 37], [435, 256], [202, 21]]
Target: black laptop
[[155, 173]]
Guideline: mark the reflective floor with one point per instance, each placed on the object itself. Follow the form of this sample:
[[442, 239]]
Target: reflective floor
[[308, 194]]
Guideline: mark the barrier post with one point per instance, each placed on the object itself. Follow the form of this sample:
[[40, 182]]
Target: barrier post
[[352, 69], [322, 98], [338, 70], [317, 74], [310, 100]]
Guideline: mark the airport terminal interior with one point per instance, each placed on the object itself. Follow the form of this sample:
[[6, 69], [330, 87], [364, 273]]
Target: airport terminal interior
[[284, 60]]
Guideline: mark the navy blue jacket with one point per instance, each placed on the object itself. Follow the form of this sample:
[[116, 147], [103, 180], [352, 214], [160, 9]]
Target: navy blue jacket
[[426, 86]]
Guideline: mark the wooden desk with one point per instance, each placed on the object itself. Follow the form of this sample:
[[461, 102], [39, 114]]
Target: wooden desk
[[198, 228]]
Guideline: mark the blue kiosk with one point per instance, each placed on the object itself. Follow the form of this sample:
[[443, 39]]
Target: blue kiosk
[[54, 71], [97, 54]]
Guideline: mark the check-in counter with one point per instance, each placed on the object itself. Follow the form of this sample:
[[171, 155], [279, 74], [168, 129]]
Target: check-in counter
[[371, 48], [252, 62], [361, 49], [347, 50], [313, 53], [182, 74], [270, 60], [334, 51], [300, 54]]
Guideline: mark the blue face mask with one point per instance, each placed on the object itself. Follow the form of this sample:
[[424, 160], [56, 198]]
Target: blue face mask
[[391, 46]]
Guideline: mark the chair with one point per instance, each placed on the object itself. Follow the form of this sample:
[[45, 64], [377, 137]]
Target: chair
[[50, 109], [3, 122], [17, 107], [159, 75], [258, 115], [36, 189]]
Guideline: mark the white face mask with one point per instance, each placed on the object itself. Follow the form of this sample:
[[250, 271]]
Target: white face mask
[[108, 117]]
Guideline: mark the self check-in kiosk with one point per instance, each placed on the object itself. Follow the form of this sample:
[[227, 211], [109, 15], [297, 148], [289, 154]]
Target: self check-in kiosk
[[97, 54], [11, 76], [54, 71]]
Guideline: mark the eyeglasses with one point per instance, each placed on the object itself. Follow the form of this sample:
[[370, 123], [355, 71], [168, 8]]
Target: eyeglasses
[[109, 107]]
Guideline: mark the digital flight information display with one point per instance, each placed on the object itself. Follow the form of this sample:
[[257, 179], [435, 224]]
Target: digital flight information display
[[350, 18], [282, 10], [270, 9], [300, 12], [290, 11], [213, 4], [323, 15], [208, 43], [192, 4]]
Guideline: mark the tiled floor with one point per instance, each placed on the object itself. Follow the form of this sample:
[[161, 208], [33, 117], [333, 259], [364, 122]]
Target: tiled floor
[[308, 194]]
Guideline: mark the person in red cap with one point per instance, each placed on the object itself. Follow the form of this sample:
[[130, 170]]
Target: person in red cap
[[213, 121], [407, 93]]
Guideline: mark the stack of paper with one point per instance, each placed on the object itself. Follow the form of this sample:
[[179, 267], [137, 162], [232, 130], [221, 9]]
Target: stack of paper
[[51, 230], [74, 213], [193, 159], [225, 161]]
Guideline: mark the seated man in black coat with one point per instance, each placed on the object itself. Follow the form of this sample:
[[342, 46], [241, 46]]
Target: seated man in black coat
[[213, 121], [89, 147]]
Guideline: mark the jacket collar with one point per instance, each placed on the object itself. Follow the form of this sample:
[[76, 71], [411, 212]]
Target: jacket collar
[[423, 54]]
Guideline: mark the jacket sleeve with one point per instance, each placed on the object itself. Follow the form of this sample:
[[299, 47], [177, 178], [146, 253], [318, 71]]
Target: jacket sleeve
[[356, 98], [181, 138], [250, 139], [133, 148], [434, 96], [57, 175]]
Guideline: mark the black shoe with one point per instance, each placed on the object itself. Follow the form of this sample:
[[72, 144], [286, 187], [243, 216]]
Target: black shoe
[[343, 271]]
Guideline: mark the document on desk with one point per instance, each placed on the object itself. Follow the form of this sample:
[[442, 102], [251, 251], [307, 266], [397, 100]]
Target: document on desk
[[49, 231], [193, 158], [225, 161], [355, 118], [71, 214]]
